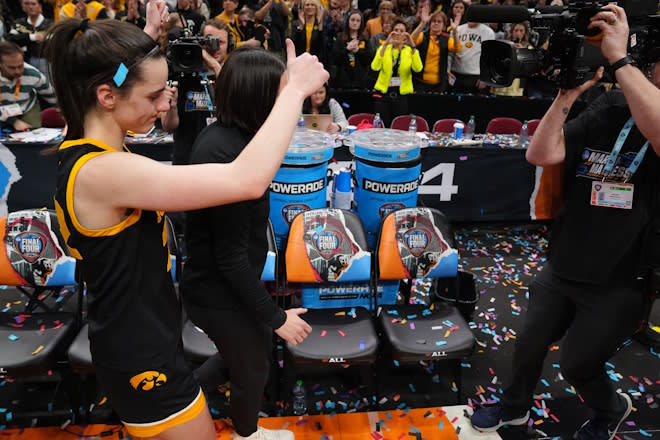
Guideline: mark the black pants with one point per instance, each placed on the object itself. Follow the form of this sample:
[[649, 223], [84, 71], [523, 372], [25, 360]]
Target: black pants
[[244, 347], [595, 320], [390, 105]]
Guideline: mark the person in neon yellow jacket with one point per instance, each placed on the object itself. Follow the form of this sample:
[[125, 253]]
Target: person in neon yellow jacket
[[395, 60]]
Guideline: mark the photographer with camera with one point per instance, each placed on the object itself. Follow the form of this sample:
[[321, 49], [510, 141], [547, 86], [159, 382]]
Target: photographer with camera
[[195, 63], [591, 291]]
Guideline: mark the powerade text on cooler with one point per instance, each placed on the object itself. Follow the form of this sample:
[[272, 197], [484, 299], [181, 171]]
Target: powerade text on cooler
[[300, 183], [387, 169]]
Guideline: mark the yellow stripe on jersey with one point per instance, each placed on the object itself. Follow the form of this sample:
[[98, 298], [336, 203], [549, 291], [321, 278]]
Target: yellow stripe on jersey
[[64, 230], [112, 230]]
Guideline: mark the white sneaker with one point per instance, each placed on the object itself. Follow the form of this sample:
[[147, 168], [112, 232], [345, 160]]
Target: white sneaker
[[266, 434]]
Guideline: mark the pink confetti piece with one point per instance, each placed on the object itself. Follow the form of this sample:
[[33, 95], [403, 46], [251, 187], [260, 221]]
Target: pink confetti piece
[[323, 333], [341, 333]]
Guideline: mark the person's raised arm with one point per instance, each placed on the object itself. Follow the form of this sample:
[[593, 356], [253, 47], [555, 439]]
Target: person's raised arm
[[156, 14], [184, 188], [642, 96], [548, 146]]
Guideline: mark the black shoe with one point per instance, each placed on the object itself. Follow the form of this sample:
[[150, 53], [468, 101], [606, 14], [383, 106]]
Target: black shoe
[[492, 417], [591, 430]]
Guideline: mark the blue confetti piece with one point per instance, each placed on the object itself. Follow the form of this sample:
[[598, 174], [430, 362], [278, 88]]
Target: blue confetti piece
[[439, 343], [396, 363], [415, 430], [345, 105], [412, 316], [9, 416], [361, 344], [645, 434], [570, 391], [555, 366], [13, 337], [545, 382], [120, 75], [387, 414], [401, 405], [441, 426], [412, 388]]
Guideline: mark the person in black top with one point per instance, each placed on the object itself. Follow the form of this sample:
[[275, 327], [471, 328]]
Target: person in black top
[[591, 290], [111, 209], [226, 249]]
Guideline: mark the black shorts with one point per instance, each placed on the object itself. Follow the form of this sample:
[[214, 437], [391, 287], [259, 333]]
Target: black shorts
[[149, 402]]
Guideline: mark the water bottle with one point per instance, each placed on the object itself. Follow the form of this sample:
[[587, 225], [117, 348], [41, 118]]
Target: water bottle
[[301, 121], [469, 129], [523, 139], [378, 123], [343, 194], [412, 128], [299, 399]]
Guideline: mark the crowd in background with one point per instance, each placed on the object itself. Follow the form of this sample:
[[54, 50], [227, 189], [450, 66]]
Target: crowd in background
[[344, 34], [392, 48]]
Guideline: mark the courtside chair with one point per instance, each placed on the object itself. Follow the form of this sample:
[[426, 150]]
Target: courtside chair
[[419, 243], [328, 248], [445, 125], [532, 125], [359, 117], [35, 260], [79, 354], [402, 122], [504, 126]]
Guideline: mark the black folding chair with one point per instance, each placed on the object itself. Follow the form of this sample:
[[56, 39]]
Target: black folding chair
[[35, 260], [418, 243]]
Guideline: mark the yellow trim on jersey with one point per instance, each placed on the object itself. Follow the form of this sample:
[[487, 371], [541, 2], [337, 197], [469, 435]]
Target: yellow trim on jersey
[[97, 143], [64, 230], [112, 230], [179, 418]]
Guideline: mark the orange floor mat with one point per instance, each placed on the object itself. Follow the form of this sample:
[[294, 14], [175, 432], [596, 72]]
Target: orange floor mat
[[430, 423]]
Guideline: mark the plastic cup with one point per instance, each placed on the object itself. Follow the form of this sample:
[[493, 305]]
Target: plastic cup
[[458, 130]]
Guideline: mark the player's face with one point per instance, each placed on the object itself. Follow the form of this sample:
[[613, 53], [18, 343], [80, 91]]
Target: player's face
[[139, 110]]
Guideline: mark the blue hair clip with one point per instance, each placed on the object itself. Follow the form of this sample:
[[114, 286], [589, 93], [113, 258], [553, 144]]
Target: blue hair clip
[[120, 74]]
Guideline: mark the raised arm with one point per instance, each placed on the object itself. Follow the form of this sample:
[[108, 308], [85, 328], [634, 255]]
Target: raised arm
[[642, 96], [548, 146], [197, 186]]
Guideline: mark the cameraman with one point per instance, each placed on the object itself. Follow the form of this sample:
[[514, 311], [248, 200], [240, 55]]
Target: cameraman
[[589, 290], [194, 107]]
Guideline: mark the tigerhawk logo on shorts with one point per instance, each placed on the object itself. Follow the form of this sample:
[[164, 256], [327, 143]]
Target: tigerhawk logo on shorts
[[148, 380]]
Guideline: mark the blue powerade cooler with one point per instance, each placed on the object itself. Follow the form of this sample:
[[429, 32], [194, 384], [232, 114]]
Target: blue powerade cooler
[[388, 164], [300, 183]]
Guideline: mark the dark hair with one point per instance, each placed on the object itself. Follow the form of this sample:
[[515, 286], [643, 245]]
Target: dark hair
[[214, 22], [324, 108], [247, 88], [83, 54], [400, 20], [9, 48]]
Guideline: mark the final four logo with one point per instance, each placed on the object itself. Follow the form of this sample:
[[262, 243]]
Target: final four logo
[[327, 243], [389, 207], [30, 245], [289, 212], [416, 240]]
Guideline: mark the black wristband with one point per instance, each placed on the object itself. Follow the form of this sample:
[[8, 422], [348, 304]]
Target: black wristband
[[622, 62]]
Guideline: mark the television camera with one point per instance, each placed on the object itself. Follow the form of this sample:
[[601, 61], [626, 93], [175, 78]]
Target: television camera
[[563, 38], [184, 52]]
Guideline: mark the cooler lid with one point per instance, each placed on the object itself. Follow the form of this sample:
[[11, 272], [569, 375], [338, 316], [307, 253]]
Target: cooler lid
[[385, 145], [308, 147]]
